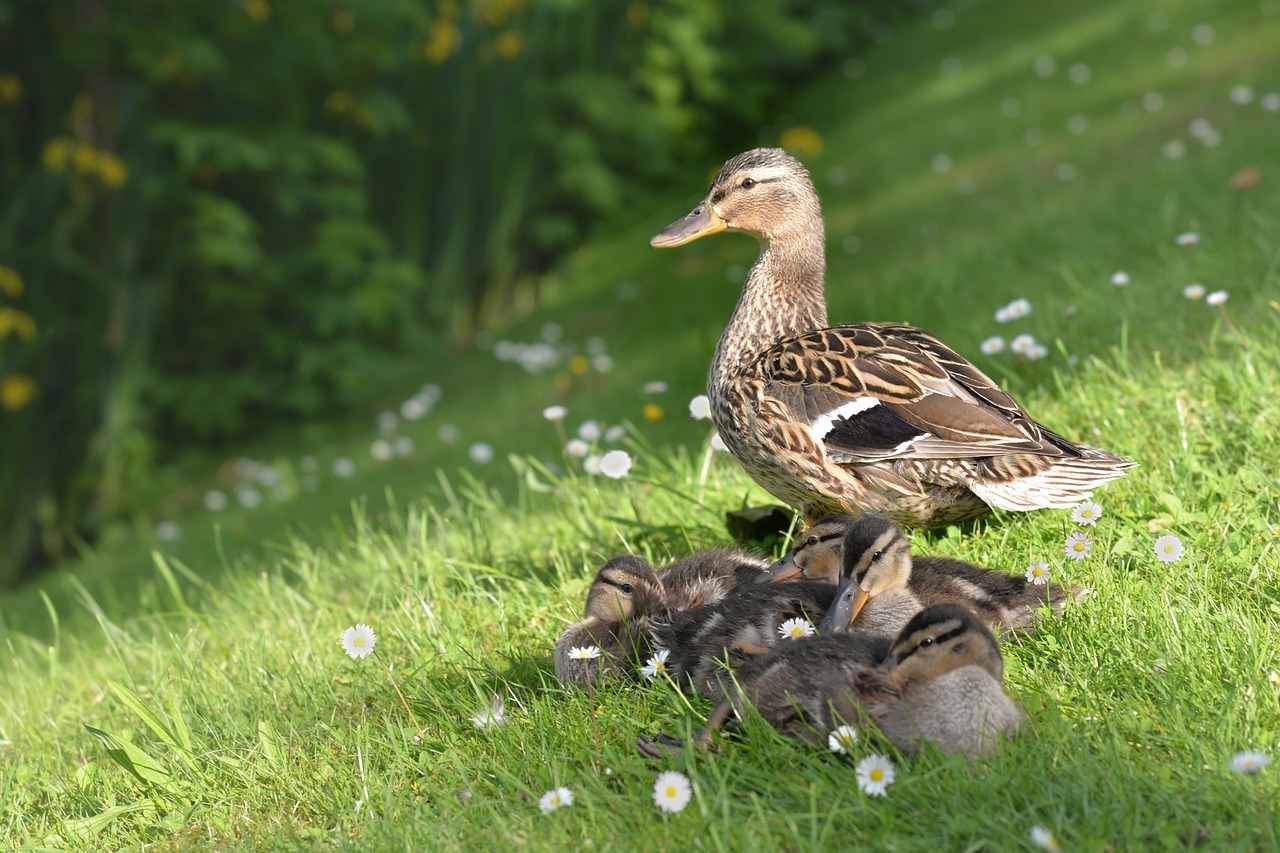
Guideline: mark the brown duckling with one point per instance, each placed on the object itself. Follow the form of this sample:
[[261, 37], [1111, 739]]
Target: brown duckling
[[624, 598], [708, 576], [940, 683], [882, 585], [706, 644]]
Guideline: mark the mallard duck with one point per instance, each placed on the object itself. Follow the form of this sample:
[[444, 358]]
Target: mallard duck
[[881, 585], [866, 416], [628, 597], [706, 645], [624, 598], [940, 683]]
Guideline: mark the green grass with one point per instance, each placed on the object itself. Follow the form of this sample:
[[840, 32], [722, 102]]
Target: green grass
[[229, 718]]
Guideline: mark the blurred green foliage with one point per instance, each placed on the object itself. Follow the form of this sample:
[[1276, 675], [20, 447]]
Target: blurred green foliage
[[224, 215]]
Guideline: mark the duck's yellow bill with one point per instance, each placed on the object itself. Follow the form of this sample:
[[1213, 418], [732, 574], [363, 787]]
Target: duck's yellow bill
[[700, 222]]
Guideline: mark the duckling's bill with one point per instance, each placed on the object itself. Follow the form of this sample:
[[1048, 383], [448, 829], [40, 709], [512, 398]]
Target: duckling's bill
[[700, 222], [849, 601], [785, 569]]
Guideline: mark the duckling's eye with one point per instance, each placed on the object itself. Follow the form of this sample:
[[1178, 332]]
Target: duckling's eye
[[812, 540], [627, 588], [876, 556], [926, 642], [748, 183]]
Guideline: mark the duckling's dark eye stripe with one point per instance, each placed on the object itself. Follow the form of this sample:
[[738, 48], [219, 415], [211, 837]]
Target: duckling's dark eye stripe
[[941, 638], [822, 539], [613, 583]]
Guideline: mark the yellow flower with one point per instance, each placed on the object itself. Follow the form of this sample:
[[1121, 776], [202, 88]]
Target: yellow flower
[[112, 170], [802, 140], [10, 89], [84, 159], [10, 282], [55, 152], [653, 412], [442, 42], [259, 11], [579, 365], [509, 44], [17, 322], [16, 391]]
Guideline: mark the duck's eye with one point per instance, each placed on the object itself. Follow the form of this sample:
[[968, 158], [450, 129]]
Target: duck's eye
[[876, 556], [812, 540], [748, 183], [627, 588], [926, 642]]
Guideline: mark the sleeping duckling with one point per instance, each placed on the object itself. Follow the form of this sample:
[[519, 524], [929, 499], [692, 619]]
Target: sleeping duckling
[[706, 644], [939, 683], [708, 576], [882, 585], [624, 598]]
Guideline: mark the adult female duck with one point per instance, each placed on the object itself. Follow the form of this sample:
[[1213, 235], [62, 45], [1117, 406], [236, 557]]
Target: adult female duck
[[865, 416]]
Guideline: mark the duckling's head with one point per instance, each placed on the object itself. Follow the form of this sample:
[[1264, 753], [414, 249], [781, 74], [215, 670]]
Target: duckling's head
[[940, 639], [815, 554], [765, 192], [875, 558], [626, 587]]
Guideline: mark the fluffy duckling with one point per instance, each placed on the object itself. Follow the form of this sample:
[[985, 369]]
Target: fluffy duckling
[[882, 585], [706, 644], [622, 601], [940, 683], [708, 576]]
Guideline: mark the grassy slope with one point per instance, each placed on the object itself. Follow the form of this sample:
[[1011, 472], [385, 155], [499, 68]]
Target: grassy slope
[[1137, 699]]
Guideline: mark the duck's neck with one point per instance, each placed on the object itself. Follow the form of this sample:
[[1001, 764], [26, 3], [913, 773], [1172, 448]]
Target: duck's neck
[[782, 298]]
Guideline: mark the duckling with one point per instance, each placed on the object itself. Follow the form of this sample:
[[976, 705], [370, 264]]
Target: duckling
[[706, 644], [882, 585], [624, 598], [940, 683], [708, 576]]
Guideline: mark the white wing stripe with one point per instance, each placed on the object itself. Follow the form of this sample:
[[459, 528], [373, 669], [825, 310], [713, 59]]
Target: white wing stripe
[[822, 424]]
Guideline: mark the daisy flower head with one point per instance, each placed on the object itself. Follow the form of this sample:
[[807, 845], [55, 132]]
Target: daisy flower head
[[1038, 573], [584, 653], [656, 387], [552, 800], [1169, 548], [555, 413], [615, 464], [717, 443], [841, 739], [589, 431], [672, 791], [576, 448], [358, 641], [1187, 238], [1043, 838], [1120, 279], [1249, 761], [1018, 308], [656, 665], [993, 345], [492, 717], [1078, 545], [875, 775], [481, 453], [592, 464], [1193, 291], [1218, 297], [1037, 351], [1022, 344], [1086, 512], [700, 408], [615, 433], [796, 627]]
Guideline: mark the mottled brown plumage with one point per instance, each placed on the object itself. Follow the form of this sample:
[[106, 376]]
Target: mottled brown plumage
[[867, 416]]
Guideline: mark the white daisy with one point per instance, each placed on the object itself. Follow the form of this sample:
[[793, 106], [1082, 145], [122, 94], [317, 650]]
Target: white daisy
[[656, 665], [358, 641], [993, 345], [168, 531], [215, 501], [1043, 838], [672, 791], [796, 627], [1188, 238], [1086, 512], [553, 800], [1018, 308], [1037, 352], [656, 387], [717, 443], [1119, 279], [487, 719], [1193, 291], [700, 408], [875, 774], [1038, 573], [381, 450], [1169, 548], [589, 431], [615, 464], [1218, 297], [1022, 344], [1249, 761], [1078, 545], [592, 464], [555, 413], [615, 433], [841, 739], [481, 453], [576, 448], [584, 653]]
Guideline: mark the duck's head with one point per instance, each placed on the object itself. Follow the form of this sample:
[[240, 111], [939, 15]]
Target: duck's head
[[815, 554], [940, 639], [626, 587], [875, 558], [765, 192]]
